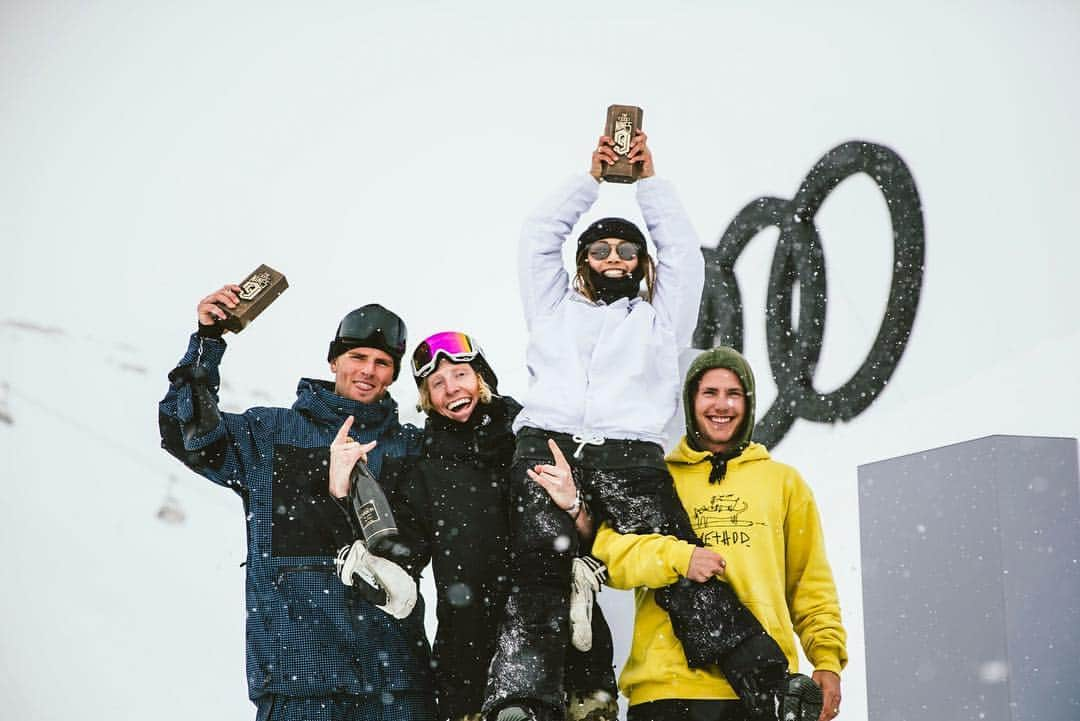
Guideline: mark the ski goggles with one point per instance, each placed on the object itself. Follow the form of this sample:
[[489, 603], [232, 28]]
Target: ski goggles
[[456, 347], [373, 322], [601, 249]]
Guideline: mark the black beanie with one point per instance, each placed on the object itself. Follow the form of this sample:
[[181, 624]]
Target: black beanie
[[371, 326]]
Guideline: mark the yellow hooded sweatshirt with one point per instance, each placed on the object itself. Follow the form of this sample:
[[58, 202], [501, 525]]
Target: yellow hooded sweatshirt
[[763, 520]]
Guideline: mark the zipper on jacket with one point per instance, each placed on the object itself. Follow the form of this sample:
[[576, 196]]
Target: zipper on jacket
[[286, 570]]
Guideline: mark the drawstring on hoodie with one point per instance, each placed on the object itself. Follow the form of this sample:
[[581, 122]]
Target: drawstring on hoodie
[[719, 468]]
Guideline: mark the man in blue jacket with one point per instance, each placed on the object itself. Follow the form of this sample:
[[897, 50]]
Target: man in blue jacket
[[316, 650]]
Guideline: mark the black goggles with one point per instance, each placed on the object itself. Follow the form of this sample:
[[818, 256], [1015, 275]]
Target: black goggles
[[373, 323], [601, 249]]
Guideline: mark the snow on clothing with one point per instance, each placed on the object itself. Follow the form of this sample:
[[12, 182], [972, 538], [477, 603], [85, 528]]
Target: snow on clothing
[[453, 510], [607, 370], [607, 373], [308, 635], [627, 484], [763, 520]]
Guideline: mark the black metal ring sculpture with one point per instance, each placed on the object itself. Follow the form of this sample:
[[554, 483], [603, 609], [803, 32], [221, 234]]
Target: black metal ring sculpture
[[799, 258]]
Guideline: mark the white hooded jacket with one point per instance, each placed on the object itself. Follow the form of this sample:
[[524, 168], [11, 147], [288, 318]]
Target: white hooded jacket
[[607, 370]]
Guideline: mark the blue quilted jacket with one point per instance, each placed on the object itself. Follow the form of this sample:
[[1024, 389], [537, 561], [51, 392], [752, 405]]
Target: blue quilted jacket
[[307, 633]]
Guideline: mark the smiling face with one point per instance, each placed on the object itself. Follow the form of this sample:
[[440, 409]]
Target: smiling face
[[719, 409], [362, 374], [454, 389], [612, 266]]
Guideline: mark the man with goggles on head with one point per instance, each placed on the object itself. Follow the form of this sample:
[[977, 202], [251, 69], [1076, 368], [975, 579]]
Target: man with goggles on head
[[316, 649], [453, 511]]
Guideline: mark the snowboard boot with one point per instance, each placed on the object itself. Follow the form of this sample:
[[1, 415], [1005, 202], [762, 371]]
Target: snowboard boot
[[802, 700], [757, 670]]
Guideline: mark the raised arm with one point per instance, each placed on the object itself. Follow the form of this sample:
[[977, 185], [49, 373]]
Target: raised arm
[[542, 276], [680, 266], [214, 444]]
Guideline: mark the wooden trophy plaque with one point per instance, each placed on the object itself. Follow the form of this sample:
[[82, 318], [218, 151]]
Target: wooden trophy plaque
[[622, 122], [257, 291]]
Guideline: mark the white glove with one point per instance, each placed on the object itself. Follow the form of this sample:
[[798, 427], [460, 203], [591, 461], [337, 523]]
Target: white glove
[[586, 575], [385, 577]]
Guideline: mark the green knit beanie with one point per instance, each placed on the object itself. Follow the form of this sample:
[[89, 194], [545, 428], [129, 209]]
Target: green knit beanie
[[732, 360]]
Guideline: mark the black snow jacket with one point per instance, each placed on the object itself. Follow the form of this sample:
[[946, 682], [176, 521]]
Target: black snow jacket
[[452, 510], [307, 633]]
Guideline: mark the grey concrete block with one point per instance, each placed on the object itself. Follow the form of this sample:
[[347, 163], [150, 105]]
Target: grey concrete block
[[971, 581]]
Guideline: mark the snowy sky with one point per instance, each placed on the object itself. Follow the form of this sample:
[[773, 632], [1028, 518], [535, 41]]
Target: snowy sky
[[150, 152]]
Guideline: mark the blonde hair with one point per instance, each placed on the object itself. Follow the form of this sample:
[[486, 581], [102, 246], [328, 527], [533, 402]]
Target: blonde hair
[[583, 283], [483, 391]]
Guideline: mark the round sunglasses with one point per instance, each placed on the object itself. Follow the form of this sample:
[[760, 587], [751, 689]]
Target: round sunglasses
[[601, 249]]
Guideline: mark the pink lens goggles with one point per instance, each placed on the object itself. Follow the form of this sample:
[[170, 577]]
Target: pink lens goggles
[[456, 347]]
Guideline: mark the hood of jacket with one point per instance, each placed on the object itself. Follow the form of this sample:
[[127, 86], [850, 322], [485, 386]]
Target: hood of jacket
[[685, 454], [732, 360], [316, 400]]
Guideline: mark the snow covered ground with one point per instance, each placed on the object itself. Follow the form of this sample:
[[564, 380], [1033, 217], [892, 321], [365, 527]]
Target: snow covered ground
[[388, 152]]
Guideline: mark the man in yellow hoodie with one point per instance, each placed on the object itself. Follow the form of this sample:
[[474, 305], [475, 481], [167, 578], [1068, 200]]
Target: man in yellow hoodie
[[759, 526]]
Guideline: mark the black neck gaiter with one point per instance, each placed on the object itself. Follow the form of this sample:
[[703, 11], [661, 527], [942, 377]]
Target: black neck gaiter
[[610, 290]]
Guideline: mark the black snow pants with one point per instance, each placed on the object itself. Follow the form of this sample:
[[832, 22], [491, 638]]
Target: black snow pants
[[627, 484]]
